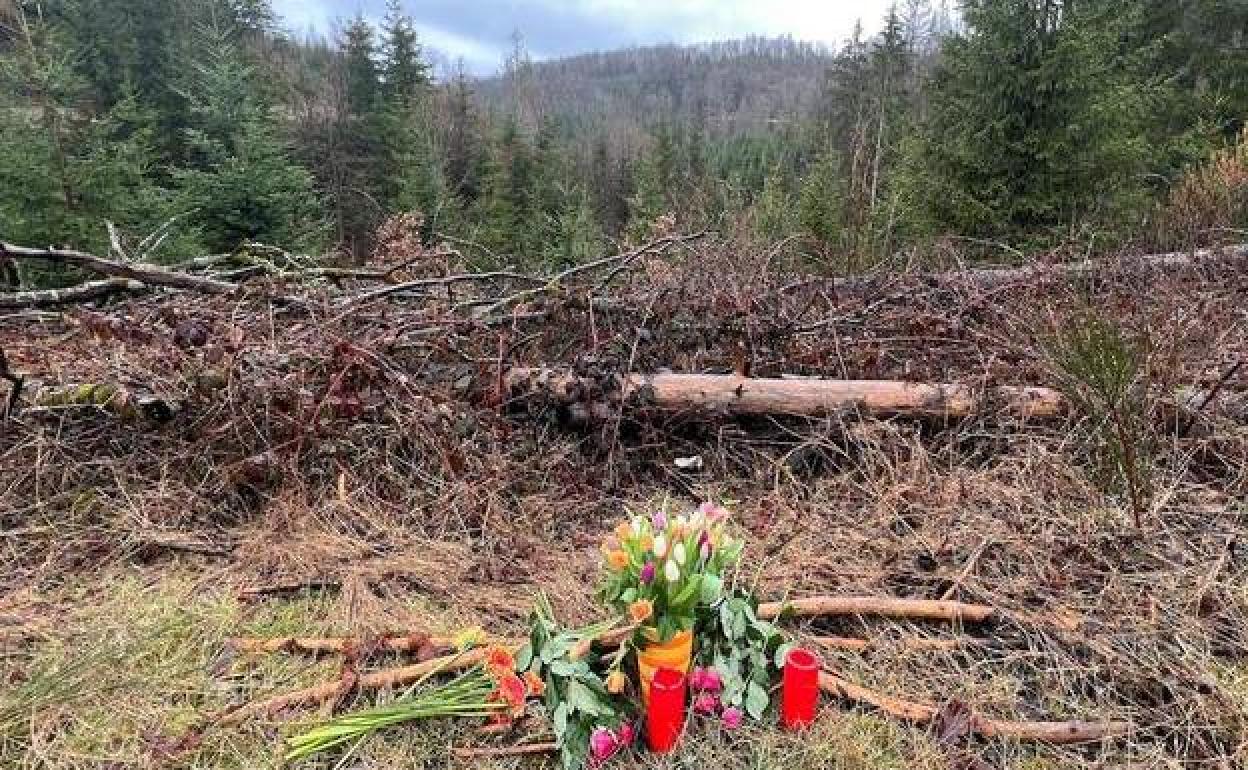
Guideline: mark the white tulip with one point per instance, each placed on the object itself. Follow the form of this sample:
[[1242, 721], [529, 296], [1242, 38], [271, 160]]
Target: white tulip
[[671, 571], [638, 522], [660, 546], [678, 553]]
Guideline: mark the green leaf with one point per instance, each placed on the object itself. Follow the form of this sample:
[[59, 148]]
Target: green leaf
[[560, 721], [689, 591], [569, 668], [756, 700], [582, 699], [782, 653], [524, 658], [629, 596], [712, 587]]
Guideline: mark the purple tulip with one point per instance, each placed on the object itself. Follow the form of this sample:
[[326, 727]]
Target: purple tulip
[[732, 717], [659, 520], [647, 573]]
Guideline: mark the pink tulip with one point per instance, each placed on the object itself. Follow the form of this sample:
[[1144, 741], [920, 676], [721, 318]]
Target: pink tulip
[[732, 718], [659, 520], [712, 512], [647, 574], [706, 704], [603, 744]]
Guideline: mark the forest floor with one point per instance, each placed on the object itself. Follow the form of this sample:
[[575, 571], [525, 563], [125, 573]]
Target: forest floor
[[331, 474]]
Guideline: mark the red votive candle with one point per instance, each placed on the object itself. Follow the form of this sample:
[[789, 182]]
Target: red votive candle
[[801, 689], [665, 716]]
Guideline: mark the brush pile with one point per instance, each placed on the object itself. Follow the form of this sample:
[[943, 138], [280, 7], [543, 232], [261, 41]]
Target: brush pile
[[363, 429]]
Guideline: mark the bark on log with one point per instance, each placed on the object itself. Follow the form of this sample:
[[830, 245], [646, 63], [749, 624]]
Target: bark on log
[[85, 292], [147, 274], [400, 643], [922, 713], [806, 397], [527, 749], [912, 609], [848, 644]]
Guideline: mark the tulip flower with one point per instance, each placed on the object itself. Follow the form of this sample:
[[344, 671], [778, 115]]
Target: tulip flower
[[602, 744], [647, 573], [642, 609], [623, 532], [659, 520], [671, 571], [534, 684], [646, 541], [732, 717], [618, 560], [638, 523], [706, 704], [713, 512], [660, 546], [705, 552], [679, 554], [616, 682]]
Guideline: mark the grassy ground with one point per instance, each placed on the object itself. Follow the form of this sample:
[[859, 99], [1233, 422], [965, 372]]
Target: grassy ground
[[136, 660]]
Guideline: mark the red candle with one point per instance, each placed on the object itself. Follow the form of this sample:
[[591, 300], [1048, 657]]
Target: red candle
[[665, 716], [801, 689]]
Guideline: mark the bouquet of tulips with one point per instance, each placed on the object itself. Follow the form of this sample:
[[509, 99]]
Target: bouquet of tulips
[[659, 569]]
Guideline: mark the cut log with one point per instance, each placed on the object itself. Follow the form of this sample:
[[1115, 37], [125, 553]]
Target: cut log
[[735, 395], [912, 609], [922, 713]]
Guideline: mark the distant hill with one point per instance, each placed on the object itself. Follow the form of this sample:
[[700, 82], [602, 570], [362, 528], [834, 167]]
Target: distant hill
[[731, 87]]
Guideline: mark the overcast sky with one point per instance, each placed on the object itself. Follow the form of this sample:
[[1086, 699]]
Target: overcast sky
[[479, 30]]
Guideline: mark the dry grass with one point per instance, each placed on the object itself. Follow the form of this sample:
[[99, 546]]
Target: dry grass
[[339, 451]]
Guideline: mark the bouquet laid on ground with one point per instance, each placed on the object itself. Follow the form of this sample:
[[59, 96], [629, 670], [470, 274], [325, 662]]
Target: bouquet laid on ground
[[666, 579]]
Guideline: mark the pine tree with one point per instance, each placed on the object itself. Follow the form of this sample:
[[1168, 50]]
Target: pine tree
[[463, 143], [1031, 128], [362, 76], [822, 202], [243, 184], [405, 73]]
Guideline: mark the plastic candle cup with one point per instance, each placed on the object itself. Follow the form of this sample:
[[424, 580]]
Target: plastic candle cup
[[665, 716], [801, 689]]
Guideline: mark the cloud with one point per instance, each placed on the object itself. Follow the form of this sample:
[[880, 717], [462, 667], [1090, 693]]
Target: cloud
[[480, 31]]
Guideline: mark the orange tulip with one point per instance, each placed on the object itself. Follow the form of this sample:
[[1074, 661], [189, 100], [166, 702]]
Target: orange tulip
[[623, 532], [641, 610], [616, 682], [499, 662], [647, 542], [534, 684], [618, 560]]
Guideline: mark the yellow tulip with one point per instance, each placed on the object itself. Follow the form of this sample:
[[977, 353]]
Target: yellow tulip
[[616, 682]]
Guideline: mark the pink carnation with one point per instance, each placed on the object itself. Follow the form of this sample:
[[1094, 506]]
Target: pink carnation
[[706, 704], [603, 744], [732, 717], [705, 680]]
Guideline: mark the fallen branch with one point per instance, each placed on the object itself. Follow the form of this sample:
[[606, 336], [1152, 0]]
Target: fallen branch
[[527, 749], [15, 386], [922, 713], [912, 609], [397, 677], [399, 643], [908, 643], [807, 397], [147, 274], [85, 292], [378, 680]]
